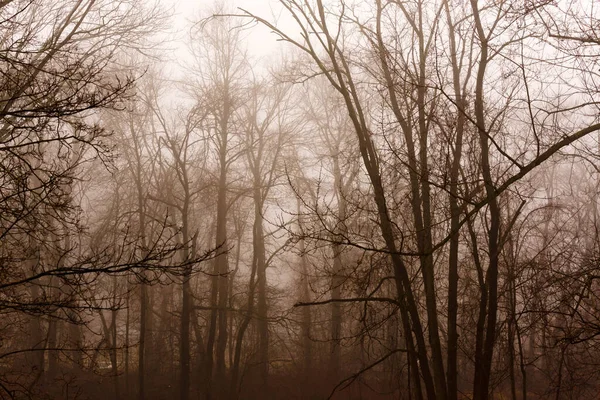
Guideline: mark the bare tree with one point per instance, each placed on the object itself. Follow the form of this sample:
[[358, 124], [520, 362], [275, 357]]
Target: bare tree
[[220, 65], [413, 93]]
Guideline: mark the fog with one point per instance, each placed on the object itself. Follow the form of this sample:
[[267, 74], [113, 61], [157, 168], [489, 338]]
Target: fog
[[299, 199]]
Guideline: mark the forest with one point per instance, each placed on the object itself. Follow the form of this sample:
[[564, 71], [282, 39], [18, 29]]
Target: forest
[[373, 199]]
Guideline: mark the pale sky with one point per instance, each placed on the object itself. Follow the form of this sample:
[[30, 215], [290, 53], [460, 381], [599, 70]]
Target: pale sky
[[261, 41]]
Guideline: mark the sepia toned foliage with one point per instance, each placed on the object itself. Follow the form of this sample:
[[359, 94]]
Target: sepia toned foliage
[[401, 203]]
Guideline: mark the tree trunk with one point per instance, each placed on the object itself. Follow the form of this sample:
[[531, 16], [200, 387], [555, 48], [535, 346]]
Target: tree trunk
[[489, 304], [336, 277], [221, 261], [144, 314], [114, 345], [242, 328], [184, 355], [261, 282], [52, 345], [127, 328], [187, 252], [142, 344], [306, 319], [455, 213]]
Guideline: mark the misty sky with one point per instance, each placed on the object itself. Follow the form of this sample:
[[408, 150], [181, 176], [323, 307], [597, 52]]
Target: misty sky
[[260, 41]]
